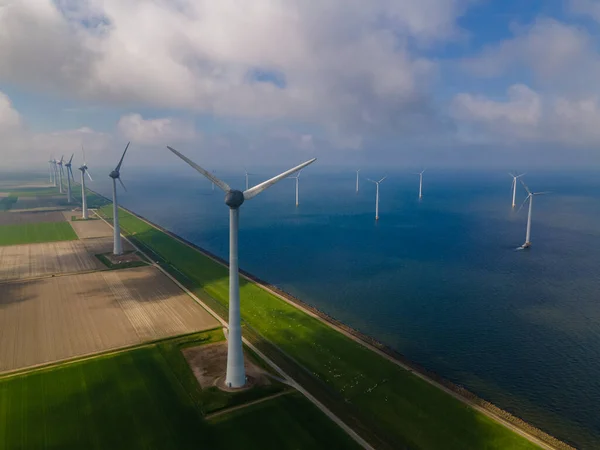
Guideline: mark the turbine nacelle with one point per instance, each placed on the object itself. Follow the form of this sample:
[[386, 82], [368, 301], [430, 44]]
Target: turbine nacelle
[[234, 198]]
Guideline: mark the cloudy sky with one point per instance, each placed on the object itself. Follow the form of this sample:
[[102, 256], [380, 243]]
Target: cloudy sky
[[381, 82]]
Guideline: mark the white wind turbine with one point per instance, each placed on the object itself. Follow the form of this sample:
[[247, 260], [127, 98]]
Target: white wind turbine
[[297, 178], [51, 170], [421, 183], [116, 175], [247, 173], [69, 177], [84, 171], [377, 196], [55, 171], [527, 243], [236, 374], [514, 187], [60, 174], [357, 180]]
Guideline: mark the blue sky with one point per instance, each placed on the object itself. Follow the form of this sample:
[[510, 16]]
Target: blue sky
[[448, 82]]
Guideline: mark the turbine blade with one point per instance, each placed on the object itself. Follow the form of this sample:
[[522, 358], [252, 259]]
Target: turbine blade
[[71, 158], [525, 186], [523, 204], [372, 181], [88, 174], [523, 174], [121, 181], [254, 191], [224, 186], [382, 179], [121, 161], [542, 193]]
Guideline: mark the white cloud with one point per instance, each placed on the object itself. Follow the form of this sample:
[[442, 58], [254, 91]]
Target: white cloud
[[345, 64], [586, 7], [9, 117], [155, 131]]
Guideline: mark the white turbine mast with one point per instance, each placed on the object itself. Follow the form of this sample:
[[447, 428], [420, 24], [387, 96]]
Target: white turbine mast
[[84, 171], [377, 196], [60, 174], [116, 175], [297, 178], [247, 179], [514, 186], [529, 197], [236, 374], [357, 180], [51, 169], [69, 178], [421, 182]]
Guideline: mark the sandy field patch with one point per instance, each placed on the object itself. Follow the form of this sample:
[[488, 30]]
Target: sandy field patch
[[43, 201], [10, 218], [51, 319], [101, 245], [19, 262], [88, 228]]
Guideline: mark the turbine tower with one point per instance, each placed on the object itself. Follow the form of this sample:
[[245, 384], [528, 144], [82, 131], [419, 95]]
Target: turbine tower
[[297, 178], [55, 171], [69, 177], [514, 186], [421, 183], [60, 174], [527, 243], [51, 169], [116, 175], [357, 180], [247, 173], [84, 171], [236, 375], [377, 196]]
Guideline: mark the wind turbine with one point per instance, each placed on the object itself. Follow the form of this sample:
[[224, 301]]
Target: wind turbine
[[55, 171], [51, 169], [69, 176], [84, 171], [421, 183], [60, 174], [514, 186], [527, 243], [377, 196], [247, 173], [357, 180], [236, 375], [297, 177], [116, 175]]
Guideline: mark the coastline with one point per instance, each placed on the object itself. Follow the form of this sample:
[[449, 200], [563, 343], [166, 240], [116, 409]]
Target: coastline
[[505, 418]]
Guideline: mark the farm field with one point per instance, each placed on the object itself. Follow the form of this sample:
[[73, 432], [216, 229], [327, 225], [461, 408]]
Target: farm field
[[37, 260], [30, 233], [409, 411], [144, 399], [57, 318], [8, 218], [86, 229]]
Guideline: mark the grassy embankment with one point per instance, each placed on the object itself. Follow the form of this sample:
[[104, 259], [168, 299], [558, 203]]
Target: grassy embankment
[[33, 233], [386, 404], [148, 398]]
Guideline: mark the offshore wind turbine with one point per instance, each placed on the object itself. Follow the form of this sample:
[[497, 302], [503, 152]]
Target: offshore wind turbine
[[527, 243], [357, 180], [69, 177], [421, 183], [60, 174], [236, 374], [377, 196], [84, 171], [514, 186], [247, 173], [116, 175], [297, 178]]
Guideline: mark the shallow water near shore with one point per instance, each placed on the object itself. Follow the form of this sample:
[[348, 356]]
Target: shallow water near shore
[[439, 280]]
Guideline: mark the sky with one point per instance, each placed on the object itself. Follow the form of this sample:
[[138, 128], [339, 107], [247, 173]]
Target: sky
[[404, 83]]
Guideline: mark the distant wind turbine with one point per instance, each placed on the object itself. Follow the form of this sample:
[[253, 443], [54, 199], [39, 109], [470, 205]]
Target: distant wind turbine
[[51, 169], [60, 174], [84, 171], [297, 178], [527, 243], [514, 187], [357, 180], [421, 183], [116, 175], [247, 173], [377, 196], [236, 375], [69, 177]]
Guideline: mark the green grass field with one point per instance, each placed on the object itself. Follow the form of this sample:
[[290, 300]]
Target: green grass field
[[144, 398], [408, 411], [31, 192], [32, 233]]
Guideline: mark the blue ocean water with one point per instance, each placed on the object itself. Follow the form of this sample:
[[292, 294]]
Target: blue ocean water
[[439, 279]]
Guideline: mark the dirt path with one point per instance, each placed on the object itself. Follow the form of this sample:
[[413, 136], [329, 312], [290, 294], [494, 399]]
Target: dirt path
[[245, 405]]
